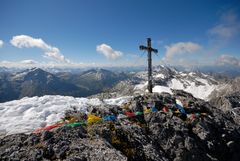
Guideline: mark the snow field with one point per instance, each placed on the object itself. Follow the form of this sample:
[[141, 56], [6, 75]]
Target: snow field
[[28, 114]]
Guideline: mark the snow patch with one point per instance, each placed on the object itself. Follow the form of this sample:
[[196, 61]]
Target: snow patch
[[27, 114], [176, 84], [191, 73], [118, 101], [19, 76], [200, 91], [160, 89], [141, 86], [185, 84], [183, 74], [160, 76]]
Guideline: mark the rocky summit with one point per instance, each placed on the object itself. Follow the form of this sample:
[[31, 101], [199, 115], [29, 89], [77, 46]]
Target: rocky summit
[[152, 127]]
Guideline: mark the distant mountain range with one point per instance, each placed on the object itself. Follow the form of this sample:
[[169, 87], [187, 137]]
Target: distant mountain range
[[94, 80], [165, 79], [55, 70], [226, 70], [37, 82]]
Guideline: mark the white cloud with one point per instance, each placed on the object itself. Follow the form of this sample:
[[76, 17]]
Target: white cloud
[[228, 60], [29, 62], [20, 64], [22, 41], [1, 43], [108, 52], [181, 48], [49, 64], [4, 62], [223, 31], [228, 27]]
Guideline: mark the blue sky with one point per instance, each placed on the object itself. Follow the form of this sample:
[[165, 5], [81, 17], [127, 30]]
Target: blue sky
[[108, 32]]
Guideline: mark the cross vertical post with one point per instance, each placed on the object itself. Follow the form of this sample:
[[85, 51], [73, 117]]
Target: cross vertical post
[[149, 65], [149, 49]]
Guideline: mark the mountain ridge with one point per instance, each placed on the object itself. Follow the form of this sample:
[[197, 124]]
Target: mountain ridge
[[37, 82]]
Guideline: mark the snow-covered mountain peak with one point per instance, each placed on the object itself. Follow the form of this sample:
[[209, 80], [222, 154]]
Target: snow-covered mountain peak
[[167, 78], [30, 74]]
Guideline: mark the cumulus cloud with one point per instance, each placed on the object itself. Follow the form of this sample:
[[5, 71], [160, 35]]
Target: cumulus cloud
[[1, 43], [24, 41], [228, 60], [181, 48], [228, 27], [108, 52]]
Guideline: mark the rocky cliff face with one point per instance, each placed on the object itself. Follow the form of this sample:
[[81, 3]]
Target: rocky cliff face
[[227, 98], [166, 132]]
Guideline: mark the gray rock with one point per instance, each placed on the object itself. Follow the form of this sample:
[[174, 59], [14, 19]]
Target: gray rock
[[159, 136], [46, 135]]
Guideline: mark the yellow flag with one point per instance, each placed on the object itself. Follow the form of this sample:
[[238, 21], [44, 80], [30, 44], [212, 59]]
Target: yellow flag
[[146, 110], [93, 119]]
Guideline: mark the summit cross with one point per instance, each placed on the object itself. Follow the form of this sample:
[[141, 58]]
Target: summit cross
[[149, 49]]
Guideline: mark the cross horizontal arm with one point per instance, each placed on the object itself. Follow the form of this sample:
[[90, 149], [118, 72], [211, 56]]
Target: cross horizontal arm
[[141, 47], [154, 50]]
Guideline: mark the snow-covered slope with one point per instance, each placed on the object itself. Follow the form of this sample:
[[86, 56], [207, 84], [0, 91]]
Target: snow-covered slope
[[198, 84], [27, 114]]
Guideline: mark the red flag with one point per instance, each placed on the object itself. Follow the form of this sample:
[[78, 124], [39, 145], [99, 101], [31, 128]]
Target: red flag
[[130, 114]]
